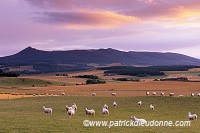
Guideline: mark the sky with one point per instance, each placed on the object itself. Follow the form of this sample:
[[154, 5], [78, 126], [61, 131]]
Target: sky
[[127, 25]]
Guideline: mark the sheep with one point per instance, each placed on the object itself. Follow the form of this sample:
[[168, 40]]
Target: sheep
[[47, 110], [115, 104], [171, 94], [93, 94], [90, 112], [62, 93], [139, 103], [192, 94], [138, 120], [198, 94], [192, 117], [180, 95], [151, 107], [71, 112], [147, 93], [162, 93], [153, 93], [105, 106], [105, 111], [75, 107], [69, 108], [113, 94]]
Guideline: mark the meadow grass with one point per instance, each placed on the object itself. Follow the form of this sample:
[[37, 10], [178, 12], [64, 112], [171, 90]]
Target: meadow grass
[[26, 114], [25, 82]]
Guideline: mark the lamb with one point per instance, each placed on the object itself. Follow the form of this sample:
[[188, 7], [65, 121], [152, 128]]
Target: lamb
[[198, 94], [75, 107], [90, 112], [153, 93], [192, 117], [113, 94], [147, 93], [114, 104], [162, 93], [138, 120], [151, 107], [93, 94], [192, 94], [171, 94], [139, 103], [47, 110], [105, 106], [105, 111]]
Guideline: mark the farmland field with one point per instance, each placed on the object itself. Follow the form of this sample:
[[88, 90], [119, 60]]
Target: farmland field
[[26, 115]]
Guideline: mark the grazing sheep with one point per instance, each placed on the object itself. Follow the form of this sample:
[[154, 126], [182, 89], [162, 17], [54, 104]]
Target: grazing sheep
[[139, 103], [71, 112], [105, 106], [198, 94], [90, 112], [138, 120], [153, 93], [113, 94], [180, 95], [62, 93], [69, 108], [171, 94], [162, 93], [147, 93], [151, 107], [192, 117], [93, 94], [105, 111], [192, 94], [47, 110], [75, 107], [114, 104]]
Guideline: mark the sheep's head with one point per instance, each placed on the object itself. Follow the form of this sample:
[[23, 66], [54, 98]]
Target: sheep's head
[[133, 117]]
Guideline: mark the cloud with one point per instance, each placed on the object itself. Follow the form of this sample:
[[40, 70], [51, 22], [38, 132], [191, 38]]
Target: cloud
[[85, 19]]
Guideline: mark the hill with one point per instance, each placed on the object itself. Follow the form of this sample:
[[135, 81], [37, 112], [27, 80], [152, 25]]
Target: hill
[[99, 56]]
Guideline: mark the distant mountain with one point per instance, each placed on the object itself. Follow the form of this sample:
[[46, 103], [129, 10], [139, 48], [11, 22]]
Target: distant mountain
[[99, 56]]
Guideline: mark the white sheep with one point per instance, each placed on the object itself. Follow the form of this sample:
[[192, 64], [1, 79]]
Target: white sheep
[[147, 93], [90, 112], [62, 93], [105, 106], [139, 103], [113, 94], [192, 117], [151, 107], [138, 120], [162, 93], [75, 107], [198, 94], [71, 112], [171, 94], [47, 110], [105, 111], [69, 108], [180, 95], [115, 104], [192, 94], [153, 93], [93, 94]]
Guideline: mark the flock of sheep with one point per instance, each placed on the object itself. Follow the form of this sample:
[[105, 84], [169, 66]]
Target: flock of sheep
[[72, 110]]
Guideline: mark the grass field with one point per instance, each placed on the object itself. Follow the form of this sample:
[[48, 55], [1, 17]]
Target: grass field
[[26, 82], [26, 114]]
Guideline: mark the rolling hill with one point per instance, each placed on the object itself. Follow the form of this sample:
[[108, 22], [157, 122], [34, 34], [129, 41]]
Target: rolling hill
[[99, 56]]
